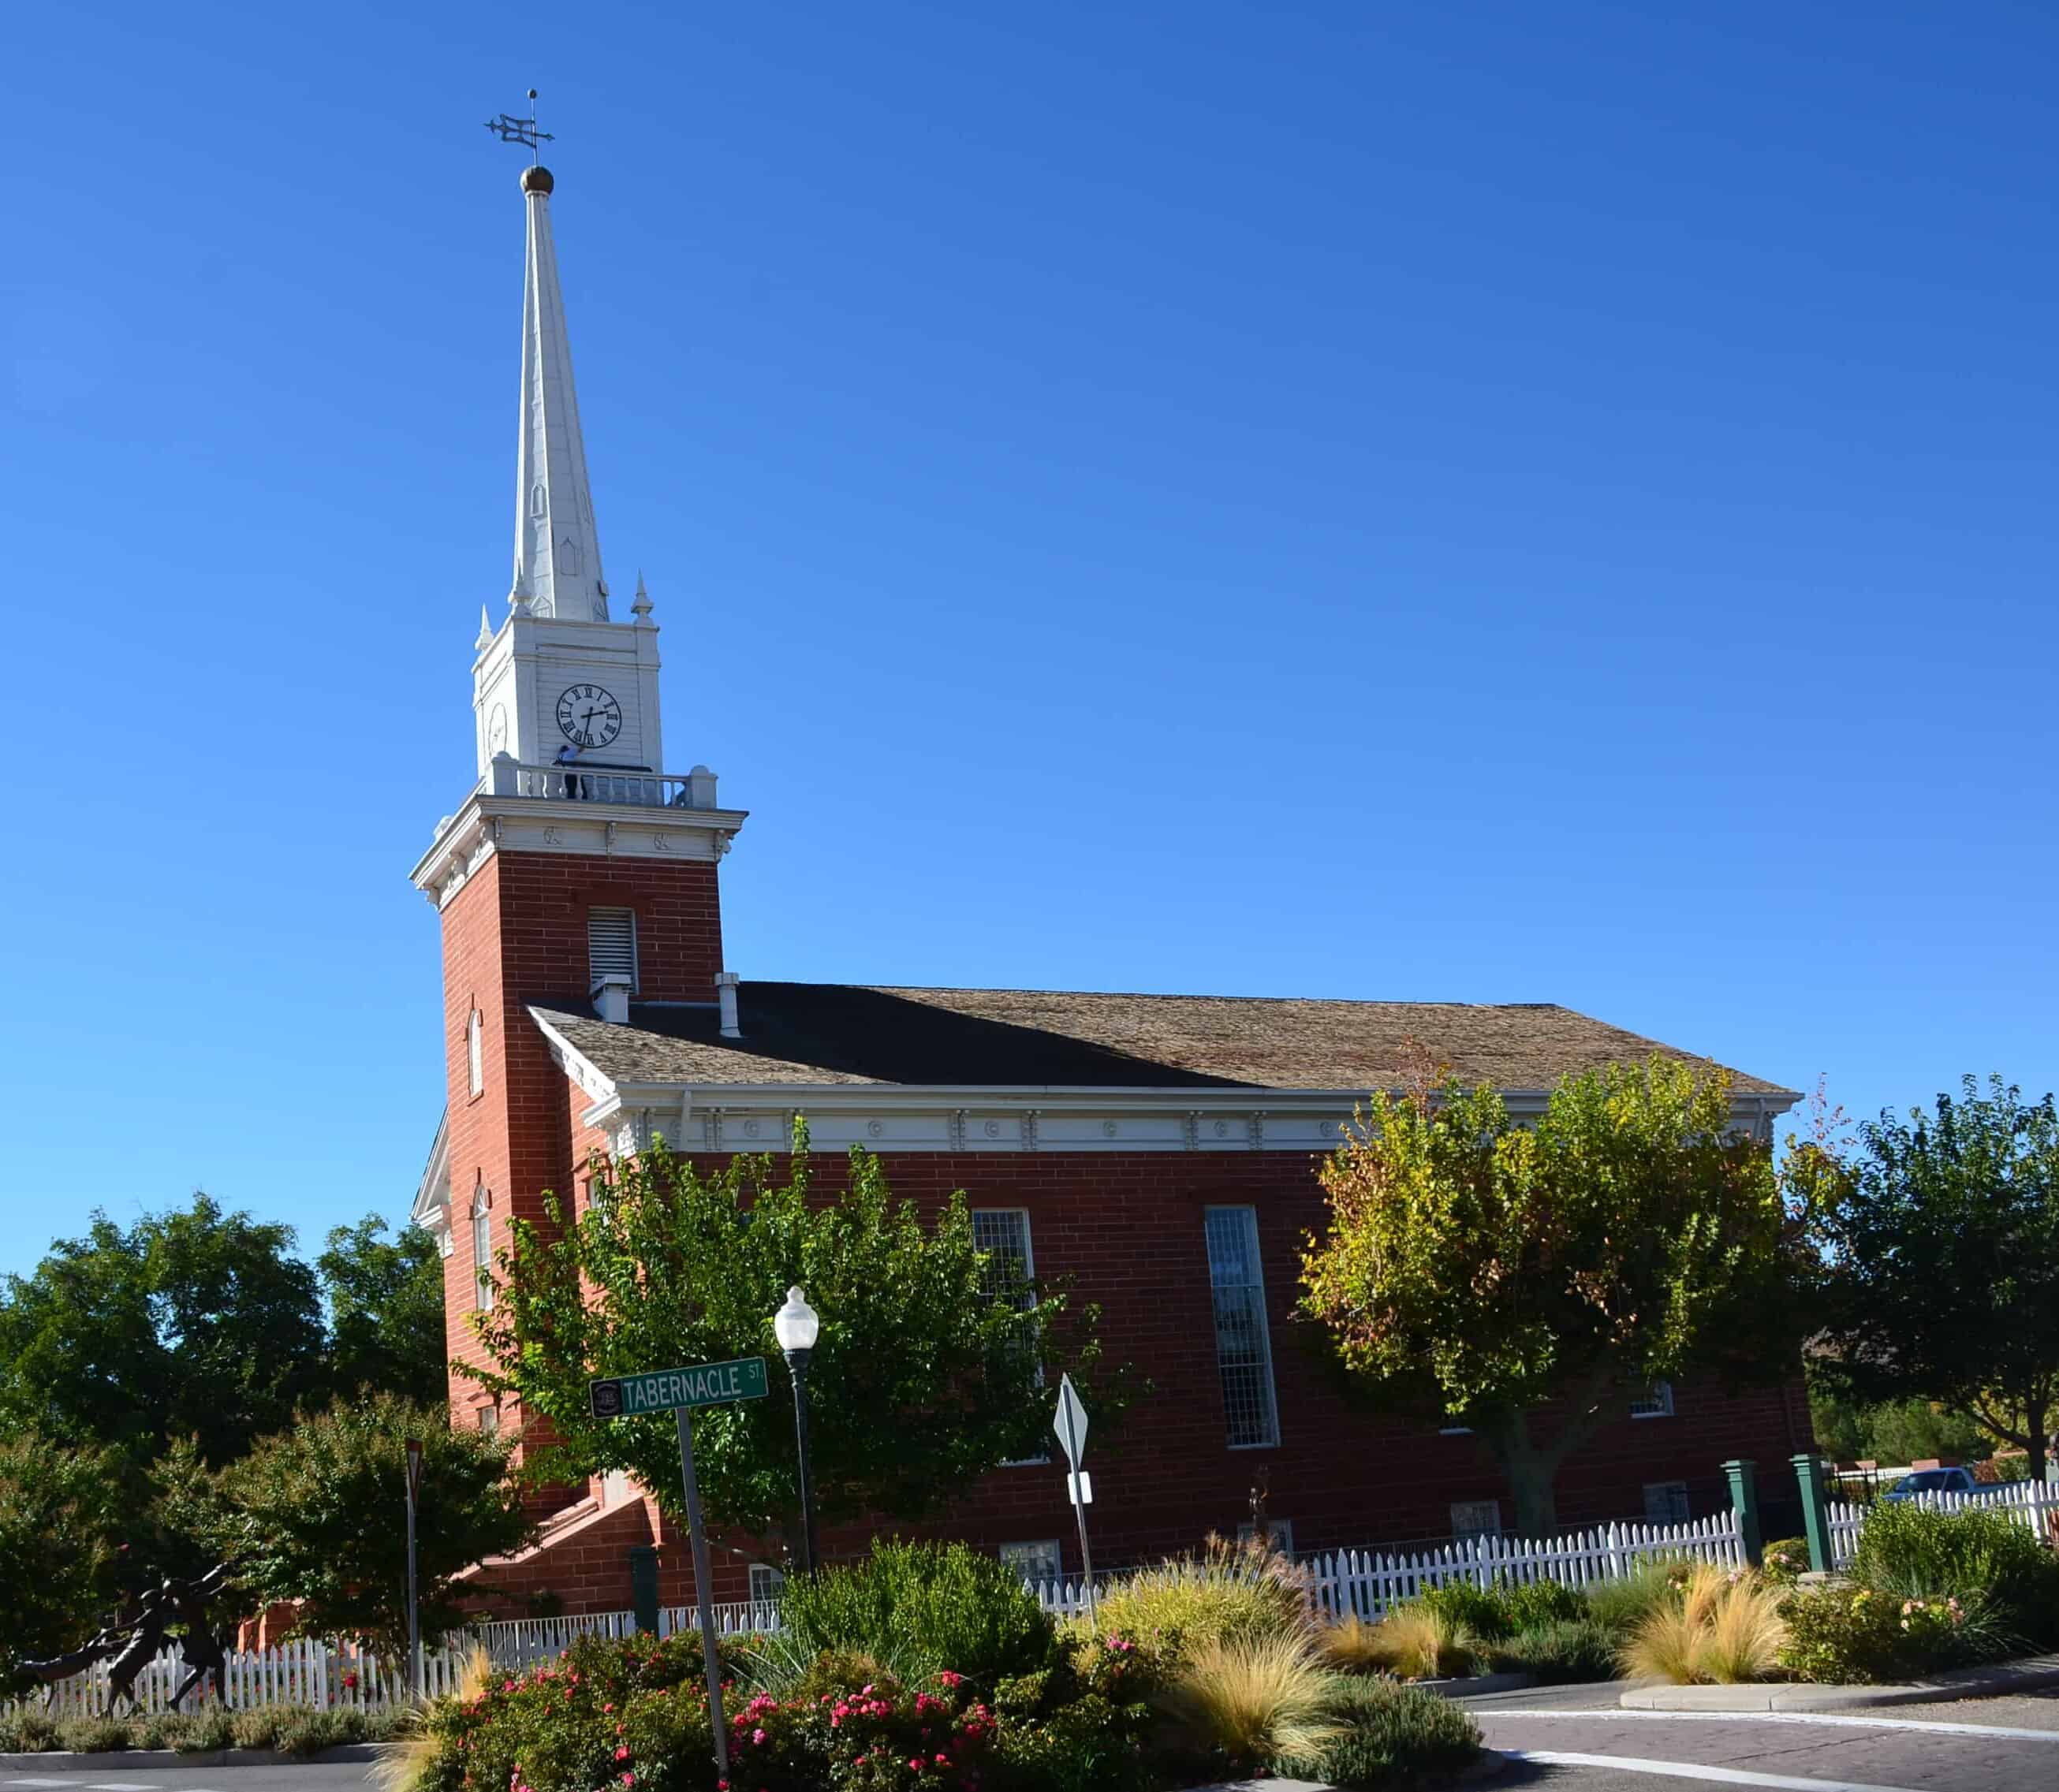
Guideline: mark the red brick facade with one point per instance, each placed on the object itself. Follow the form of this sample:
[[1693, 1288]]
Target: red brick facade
[[1126, 1228]]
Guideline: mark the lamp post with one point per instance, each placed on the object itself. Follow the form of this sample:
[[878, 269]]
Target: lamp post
[[796, 1324]]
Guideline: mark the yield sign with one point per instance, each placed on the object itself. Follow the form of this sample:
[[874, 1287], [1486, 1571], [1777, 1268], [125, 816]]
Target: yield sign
[[1071, 1422]]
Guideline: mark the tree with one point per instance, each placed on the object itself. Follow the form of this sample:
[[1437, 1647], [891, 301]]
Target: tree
[[1942, 1232], [1523, 1281], [191, 1323], [935, 1363], [386, 1311], [59, 1518], [316, 1514]]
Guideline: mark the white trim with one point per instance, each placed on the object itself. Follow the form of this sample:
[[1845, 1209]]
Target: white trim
[[1658, 1404], [1936, 1726], [1694, 1769]]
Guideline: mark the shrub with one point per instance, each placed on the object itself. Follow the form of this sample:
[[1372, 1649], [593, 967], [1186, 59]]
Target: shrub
[[1845, 1634], [30, 1731], [1388, 1735], [1351, 1646], [205, 1732], [928, 1607], [1422, 1642], [1782, 1562], [1254, 1699], [1477, 1610], [1721, 1628], [1542, 1601], [1559, 1651], [1228, 1592], [1916, 1552], [93, 1735], [1621, 1605]]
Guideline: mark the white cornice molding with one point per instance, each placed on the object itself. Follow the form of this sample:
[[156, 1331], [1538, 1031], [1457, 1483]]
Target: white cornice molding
[[485, 825]]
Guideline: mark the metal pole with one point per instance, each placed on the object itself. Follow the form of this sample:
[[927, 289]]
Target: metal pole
[[704, 1573], [797, 1361], [1072, 1454], [414, 1612]]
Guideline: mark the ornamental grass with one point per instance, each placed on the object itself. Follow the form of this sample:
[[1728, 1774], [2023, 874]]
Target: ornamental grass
[[1255, 1698], [1724, 1628]]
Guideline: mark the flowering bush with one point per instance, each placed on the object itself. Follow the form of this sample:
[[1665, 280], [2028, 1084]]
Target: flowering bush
[[1785, 1562]]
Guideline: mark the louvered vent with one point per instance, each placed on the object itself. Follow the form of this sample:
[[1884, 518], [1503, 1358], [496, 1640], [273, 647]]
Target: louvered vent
[[611, 944]]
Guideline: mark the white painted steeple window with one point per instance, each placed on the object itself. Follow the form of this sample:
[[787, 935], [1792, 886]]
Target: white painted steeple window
[[475, 1052], [611, 944], [482, 1249]]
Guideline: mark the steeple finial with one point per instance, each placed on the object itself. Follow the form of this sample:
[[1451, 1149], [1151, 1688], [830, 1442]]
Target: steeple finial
[[642, 606], [557, 547], [485, 631]]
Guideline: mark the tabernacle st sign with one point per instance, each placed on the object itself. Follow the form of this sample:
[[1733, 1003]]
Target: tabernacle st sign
[[1071, 1422], [667, 1390]]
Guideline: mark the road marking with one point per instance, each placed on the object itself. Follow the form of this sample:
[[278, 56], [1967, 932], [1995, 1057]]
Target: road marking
[[1930, 1726], [119, 1786], [39, 1782], [1693, 1770]]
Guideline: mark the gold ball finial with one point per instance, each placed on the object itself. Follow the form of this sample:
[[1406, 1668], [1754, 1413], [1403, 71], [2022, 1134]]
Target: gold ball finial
[[537, 179]]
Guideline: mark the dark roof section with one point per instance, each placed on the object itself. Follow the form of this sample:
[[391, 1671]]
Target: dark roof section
[[1027, 1039]]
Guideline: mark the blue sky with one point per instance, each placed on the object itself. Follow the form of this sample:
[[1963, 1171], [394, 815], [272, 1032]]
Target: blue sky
[[1496, 502]]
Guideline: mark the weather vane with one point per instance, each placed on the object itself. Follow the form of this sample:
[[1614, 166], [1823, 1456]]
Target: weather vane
[[512, 129]]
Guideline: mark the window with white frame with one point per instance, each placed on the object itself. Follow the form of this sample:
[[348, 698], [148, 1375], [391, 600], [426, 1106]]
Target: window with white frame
[[1656, 1405], [1036, 1562], [482, 1249], [767, 1583], [1003, 1234], [1244, 1347], [1279, 1530], [489, 1421], [1476, 1518], [1666, 1502], [610, 945], [475, 1051]]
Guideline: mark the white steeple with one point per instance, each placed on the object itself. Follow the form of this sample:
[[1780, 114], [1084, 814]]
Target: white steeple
[[557, 548]]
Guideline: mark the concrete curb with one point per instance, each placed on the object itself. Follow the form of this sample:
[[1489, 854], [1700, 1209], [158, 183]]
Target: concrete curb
[[2027, 1676], [59, 1761], [1477, 1685], [1490, 1765]]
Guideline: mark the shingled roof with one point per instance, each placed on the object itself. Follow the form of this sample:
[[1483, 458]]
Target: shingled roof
[[823, 1034]]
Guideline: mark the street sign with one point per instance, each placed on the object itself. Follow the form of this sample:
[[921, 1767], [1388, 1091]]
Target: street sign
[[414, 1468], [1071, 1422], [678, 1391], [669, 1390]]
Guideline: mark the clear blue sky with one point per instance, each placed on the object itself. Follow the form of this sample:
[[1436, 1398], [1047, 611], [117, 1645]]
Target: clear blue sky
[[1497, 503]]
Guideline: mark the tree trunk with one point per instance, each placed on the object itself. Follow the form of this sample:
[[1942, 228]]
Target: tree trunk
[[2035, 1417], [1532, 1467]]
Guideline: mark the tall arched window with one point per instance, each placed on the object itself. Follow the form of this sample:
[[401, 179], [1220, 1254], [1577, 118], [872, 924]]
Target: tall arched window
[[482, 1249], [475, 1051]]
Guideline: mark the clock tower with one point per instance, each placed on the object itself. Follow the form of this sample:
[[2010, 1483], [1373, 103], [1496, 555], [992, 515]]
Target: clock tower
[[578, 873]]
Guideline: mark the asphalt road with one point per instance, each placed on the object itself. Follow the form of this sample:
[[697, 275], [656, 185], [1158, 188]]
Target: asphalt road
[[1566, 1739], [1575, 1739]]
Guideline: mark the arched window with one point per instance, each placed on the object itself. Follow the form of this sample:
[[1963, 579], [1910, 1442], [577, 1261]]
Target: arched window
[[482, 1249], [475, 1051]]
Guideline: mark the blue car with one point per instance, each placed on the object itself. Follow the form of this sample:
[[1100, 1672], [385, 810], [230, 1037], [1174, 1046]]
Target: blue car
[[1932, 1480]]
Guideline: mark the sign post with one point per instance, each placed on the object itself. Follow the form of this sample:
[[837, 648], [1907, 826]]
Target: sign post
[[414, 1615], [679, 1391], [1070, 1423]]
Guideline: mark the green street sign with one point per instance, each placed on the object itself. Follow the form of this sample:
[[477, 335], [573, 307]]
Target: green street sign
[[667, 1390]]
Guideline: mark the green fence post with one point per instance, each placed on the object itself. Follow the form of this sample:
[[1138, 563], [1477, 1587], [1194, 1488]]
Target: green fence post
[[643, 1586], [1744, 1502], [1815, 1517]]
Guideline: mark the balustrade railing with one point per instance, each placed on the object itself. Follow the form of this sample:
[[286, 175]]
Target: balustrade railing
[[601, 783]]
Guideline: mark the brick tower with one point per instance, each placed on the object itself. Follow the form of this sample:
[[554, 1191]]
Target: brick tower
[[575, 872]]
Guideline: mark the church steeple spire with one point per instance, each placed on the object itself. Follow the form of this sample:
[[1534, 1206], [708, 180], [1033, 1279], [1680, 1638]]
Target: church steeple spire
[[557, 548]]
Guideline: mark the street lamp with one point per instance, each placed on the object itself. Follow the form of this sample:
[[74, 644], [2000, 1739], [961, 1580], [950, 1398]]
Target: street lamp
[[795, 1325]]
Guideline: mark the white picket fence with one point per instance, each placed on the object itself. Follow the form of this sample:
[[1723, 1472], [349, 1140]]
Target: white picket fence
[[516, 1642], [2035, 1503], [329, 1675], [1367, 1583]]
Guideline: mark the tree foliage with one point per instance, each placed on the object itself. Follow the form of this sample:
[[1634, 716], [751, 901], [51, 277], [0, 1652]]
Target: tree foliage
[[385, 1311], [934, 1365], [1477, 1271], [1941, 1235], [60, 1520], [202, 1324], [316, 1513]]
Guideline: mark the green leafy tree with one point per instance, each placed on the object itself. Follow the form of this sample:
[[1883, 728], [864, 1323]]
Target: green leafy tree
[[1526, 1280], [1942, 1231], [386, 1310], [935, 1365], [60, 1519], [193, 1323], [317, 1514]]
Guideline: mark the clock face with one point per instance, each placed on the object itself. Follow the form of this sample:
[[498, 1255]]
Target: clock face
[[496, 729], [588, 716]]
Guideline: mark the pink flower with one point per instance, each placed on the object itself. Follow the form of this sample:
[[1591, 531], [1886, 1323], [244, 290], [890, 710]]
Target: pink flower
[[917, 1763], [622, 1754], [628, 1779], [758, 1736]]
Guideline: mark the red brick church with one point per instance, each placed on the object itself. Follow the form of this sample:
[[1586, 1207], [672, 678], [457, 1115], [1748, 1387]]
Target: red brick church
[[1159, 1151]]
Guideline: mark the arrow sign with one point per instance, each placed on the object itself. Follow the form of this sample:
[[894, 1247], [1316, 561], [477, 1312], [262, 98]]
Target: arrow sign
[[1071, 1422]]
